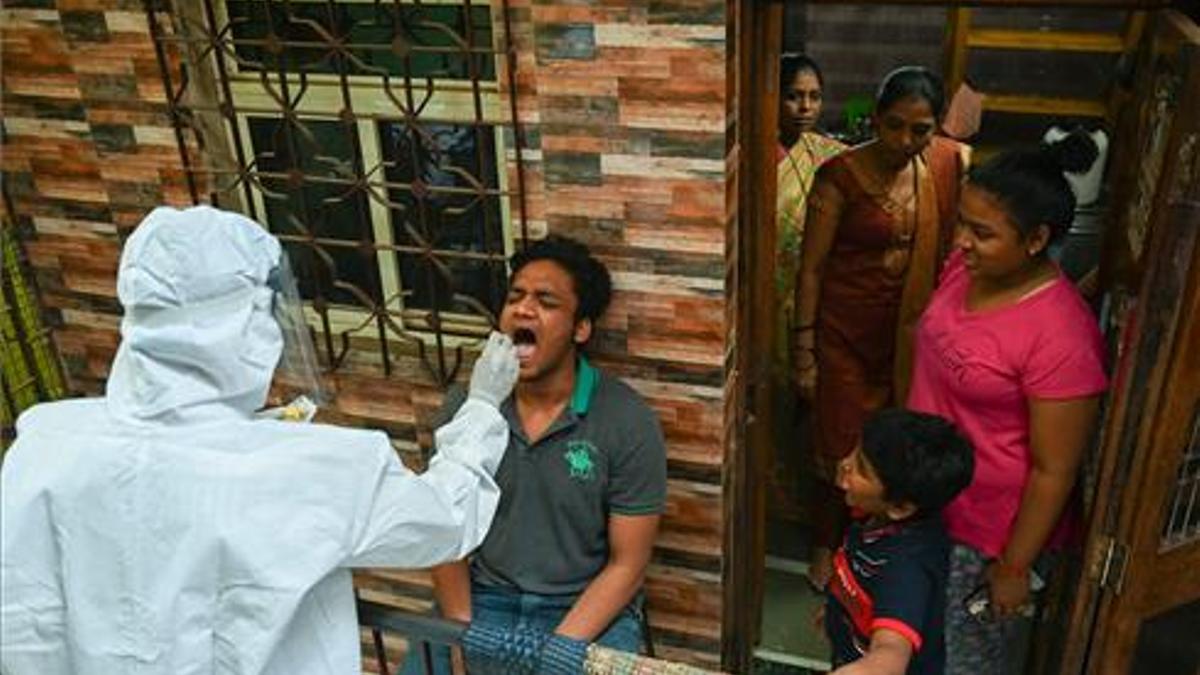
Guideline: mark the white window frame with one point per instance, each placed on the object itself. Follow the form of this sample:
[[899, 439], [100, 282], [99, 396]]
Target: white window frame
[[452, 101]]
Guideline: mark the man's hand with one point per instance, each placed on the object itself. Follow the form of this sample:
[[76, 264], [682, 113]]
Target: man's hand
[[1008, 592], [495, 371], [458, 664], [562, 655]]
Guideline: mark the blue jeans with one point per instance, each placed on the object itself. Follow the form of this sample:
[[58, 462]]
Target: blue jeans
[[512, 610]]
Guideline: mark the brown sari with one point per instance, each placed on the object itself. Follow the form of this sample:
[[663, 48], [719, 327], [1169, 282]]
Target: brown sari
[[876, 280]]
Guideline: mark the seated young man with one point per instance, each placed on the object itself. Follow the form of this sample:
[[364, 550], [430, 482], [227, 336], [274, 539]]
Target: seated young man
[[584, 480], [885, 602]]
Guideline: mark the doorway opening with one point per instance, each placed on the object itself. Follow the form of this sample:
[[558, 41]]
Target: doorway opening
[[1011, 75]]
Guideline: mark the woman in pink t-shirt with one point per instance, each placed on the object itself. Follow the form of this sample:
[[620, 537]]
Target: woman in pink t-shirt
[[1009, 351]]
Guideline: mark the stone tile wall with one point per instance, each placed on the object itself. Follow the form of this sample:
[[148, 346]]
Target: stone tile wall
[[88, 149], [625, 106]]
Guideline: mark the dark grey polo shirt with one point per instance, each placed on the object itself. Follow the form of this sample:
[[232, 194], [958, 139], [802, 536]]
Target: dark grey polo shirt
[[604, 455]]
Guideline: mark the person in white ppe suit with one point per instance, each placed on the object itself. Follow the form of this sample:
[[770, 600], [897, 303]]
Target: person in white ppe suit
[[165, 529]]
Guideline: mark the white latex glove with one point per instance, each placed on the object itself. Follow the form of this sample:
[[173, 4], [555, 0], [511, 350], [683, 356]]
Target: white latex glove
[[495, 371]]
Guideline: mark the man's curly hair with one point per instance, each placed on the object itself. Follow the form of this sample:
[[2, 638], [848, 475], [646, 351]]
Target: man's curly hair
[[593, 285]]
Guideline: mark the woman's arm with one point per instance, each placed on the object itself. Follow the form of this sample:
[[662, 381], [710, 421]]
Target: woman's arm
[[1058, 433], [825, 205]]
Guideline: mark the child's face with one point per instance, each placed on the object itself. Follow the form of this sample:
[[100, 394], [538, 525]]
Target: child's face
[[857, 478]]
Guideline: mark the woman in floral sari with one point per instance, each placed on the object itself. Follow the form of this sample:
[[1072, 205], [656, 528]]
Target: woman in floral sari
[[801, 150]]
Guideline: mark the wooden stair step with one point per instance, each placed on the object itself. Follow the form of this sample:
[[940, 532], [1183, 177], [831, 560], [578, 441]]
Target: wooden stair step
[[982, 153], [1037, 40], [1044, 105]]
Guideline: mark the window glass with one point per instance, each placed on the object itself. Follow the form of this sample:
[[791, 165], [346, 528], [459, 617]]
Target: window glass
[[444, 198], [438, 41], [307, 171]]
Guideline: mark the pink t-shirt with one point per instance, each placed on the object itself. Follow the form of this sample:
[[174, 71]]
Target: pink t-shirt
[[978, 369]]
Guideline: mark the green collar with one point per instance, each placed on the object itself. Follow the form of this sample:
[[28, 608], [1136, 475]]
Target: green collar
[[586, 379]]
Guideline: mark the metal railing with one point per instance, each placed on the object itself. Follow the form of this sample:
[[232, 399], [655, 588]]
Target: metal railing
[[422, 631]]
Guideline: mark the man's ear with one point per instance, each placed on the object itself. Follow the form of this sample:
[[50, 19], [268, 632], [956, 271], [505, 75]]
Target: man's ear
[[900, 511], [583, 331]]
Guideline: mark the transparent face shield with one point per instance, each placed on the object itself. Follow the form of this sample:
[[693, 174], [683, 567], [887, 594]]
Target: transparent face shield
[[297, 378]]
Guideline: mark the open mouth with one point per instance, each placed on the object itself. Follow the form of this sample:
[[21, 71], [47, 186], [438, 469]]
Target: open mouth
[[525, 341]]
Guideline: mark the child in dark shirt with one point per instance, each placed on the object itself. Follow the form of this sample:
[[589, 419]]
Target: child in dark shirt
[[885, 603]]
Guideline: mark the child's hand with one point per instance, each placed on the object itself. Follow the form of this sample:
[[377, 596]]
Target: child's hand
[[858, 667], [818, 620]]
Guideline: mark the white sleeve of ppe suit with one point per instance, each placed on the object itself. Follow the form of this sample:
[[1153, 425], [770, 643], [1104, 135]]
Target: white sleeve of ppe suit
[[444, 513]]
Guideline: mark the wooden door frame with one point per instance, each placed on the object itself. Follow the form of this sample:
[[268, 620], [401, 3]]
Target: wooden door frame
[[1121, 613], [1140, 448], [757, 25], [755, 30]]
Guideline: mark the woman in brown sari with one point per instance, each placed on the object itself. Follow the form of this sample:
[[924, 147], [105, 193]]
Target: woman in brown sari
[[880, 219]]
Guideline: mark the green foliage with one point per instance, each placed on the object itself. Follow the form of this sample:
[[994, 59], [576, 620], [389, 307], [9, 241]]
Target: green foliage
[[29, 370]]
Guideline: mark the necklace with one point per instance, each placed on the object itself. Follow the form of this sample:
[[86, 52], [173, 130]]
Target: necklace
[[904, 214], [878, 185], [899, 252]]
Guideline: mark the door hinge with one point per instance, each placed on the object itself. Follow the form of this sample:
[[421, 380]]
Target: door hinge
[[1113, 560]]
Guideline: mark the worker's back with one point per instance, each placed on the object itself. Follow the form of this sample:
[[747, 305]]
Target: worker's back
[[154, 551], [162, 529]]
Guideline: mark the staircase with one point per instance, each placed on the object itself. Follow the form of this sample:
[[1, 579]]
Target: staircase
[[964, 37]]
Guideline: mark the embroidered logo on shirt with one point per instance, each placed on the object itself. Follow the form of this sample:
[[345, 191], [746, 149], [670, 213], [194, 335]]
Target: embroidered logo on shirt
[[579, 460]]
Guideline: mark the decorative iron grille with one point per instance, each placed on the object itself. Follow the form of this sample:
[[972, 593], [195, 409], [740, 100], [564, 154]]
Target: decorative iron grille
[[1182, 525], [378, 139]]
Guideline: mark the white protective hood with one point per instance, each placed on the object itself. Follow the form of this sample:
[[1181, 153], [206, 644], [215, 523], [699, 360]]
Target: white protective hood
[[162, 530], [198, 338]]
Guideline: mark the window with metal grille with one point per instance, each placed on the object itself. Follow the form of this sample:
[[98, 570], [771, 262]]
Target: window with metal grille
[[376, 138], [1182, 524]]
